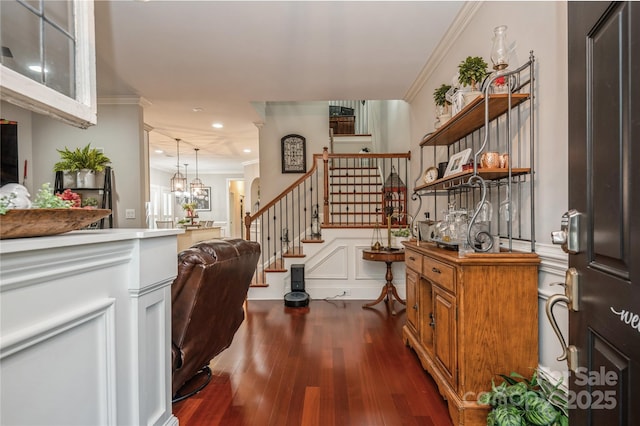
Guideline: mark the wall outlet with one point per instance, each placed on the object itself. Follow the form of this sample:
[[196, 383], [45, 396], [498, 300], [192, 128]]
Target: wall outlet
[[130, 213]]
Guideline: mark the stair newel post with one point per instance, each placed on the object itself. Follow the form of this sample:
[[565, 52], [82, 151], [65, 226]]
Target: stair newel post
[[325, 205], [247, 226]]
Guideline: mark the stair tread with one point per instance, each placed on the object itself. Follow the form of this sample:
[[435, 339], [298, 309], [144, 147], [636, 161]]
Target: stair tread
[[353, 225], [294, 252], [259, 280], [356, 184], [357, 202], [313, 241], [353, 168], [358, 193], [276, 266], [373, 213], [354, 176]]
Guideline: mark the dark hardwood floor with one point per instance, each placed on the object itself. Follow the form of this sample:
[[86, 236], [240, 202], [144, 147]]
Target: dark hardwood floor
[[332, 363]]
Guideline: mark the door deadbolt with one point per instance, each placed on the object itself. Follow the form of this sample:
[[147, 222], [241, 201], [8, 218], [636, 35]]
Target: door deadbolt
[[569, 234]]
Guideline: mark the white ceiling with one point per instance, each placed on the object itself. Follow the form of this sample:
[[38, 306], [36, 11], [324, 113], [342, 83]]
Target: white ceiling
[[223, 56]]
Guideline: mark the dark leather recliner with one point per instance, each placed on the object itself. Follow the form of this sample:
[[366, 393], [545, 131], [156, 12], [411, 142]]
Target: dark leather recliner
[[207, 300]]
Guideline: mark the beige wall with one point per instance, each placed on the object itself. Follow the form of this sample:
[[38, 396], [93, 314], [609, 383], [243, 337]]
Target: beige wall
[[308, 119], [391, 120], [120, 132]]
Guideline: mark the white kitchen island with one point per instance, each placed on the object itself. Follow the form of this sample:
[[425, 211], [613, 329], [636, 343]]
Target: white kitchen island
[[85, 328]]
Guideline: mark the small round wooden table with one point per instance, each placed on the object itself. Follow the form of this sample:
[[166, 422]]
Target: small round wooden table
[[389, 290]]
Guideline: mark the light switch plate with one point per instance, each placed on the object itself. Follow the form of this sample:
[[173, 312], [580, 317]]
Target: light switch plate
[[130, 213]]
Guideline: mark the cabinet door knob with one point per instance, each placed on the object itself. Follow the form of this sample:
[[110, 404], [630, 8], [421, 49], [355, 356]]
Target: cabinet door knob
[[433, 322], [415, 307], [412, 258], [436, 270]]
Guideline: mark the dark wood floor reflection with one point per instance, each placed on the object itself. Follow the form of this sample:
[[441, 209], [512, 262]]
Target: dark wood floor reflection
[[332, 363]]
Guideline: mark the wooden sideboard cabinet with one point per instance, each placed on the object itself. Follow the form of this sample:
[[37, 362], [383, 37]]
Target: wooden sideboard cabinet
[[470, 319]]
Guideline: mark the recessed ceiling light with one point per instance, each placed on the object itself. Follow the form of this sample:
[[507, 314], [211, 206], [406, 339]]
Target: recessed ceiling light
[[217, 125], [37, 68], [197, 109], [158, 151], [247, 150]]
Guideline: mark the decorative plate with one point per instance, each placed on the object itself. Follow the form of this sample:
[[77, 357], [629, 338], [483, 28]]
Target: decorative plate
[[20, 223]]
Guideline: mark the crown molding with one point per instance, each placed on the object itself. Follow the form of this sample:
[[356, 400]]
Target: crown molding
[[124, 100], [459, 24]]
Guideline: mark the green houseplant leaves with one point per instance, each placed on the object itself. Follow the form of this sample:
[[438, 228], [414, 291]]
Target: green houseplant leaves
[[472, 71], [440, 95], [521, 402], [78, 159]]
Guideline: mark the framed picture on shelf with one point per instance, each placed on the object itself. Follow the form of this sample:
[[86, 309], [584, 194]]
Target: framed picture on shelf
[[456, 162], [202, 198], [294, 154]]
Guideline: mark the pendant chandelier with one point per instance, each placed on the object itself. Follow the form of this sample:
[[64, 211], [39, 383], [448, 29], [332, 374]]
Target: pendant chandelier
[[178, 182], [186, 193], [196, 183]]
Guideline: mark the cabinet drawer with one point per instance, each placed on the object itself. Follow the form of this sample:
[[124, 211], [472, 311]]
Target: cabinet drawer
[[439, 273], [413, 260]]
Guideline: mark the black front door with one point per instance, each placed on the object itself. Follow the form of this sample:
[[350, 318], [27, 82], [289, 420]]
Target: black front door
[[604, 187]]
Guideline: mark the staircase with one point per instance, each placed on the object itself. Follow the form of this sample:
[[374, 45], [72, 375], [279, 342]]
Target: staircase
[[340, 191]]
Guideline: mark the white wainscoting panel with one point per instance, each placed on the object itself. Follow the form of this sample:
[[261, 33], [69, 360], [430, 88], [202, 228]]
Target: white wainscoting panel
[[332, 264], [69, 358], [152, 336], [85, 335]]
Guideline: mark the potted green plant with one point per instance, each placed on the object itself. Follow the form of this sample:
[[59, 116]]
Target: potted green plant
[[442, 104], [90, 203], [189, 209], [472, 71], [399, 235], [85, 162], [522, 402], [440, 95]]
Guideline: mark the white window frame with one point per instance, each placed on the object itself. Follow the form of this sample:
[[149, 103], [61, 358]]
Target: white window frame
[[33, 96]]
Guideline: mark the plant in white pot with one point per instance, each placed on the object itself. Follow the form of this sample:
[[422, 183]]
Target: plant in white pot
[[398, 236], [443, 110], [84, 162], [472, 72]]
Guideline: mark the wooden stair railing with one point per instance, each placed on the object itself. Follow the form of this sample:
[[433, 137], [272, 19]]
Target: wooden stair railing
[[357, 191]]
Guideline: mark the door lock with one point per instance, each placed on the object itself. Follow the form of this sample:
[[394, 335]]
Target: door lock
[[569, 233]]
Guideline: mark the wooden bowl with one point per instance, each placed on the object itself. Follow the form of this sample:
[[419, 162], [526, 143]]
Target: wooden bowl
[[20, 223]]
